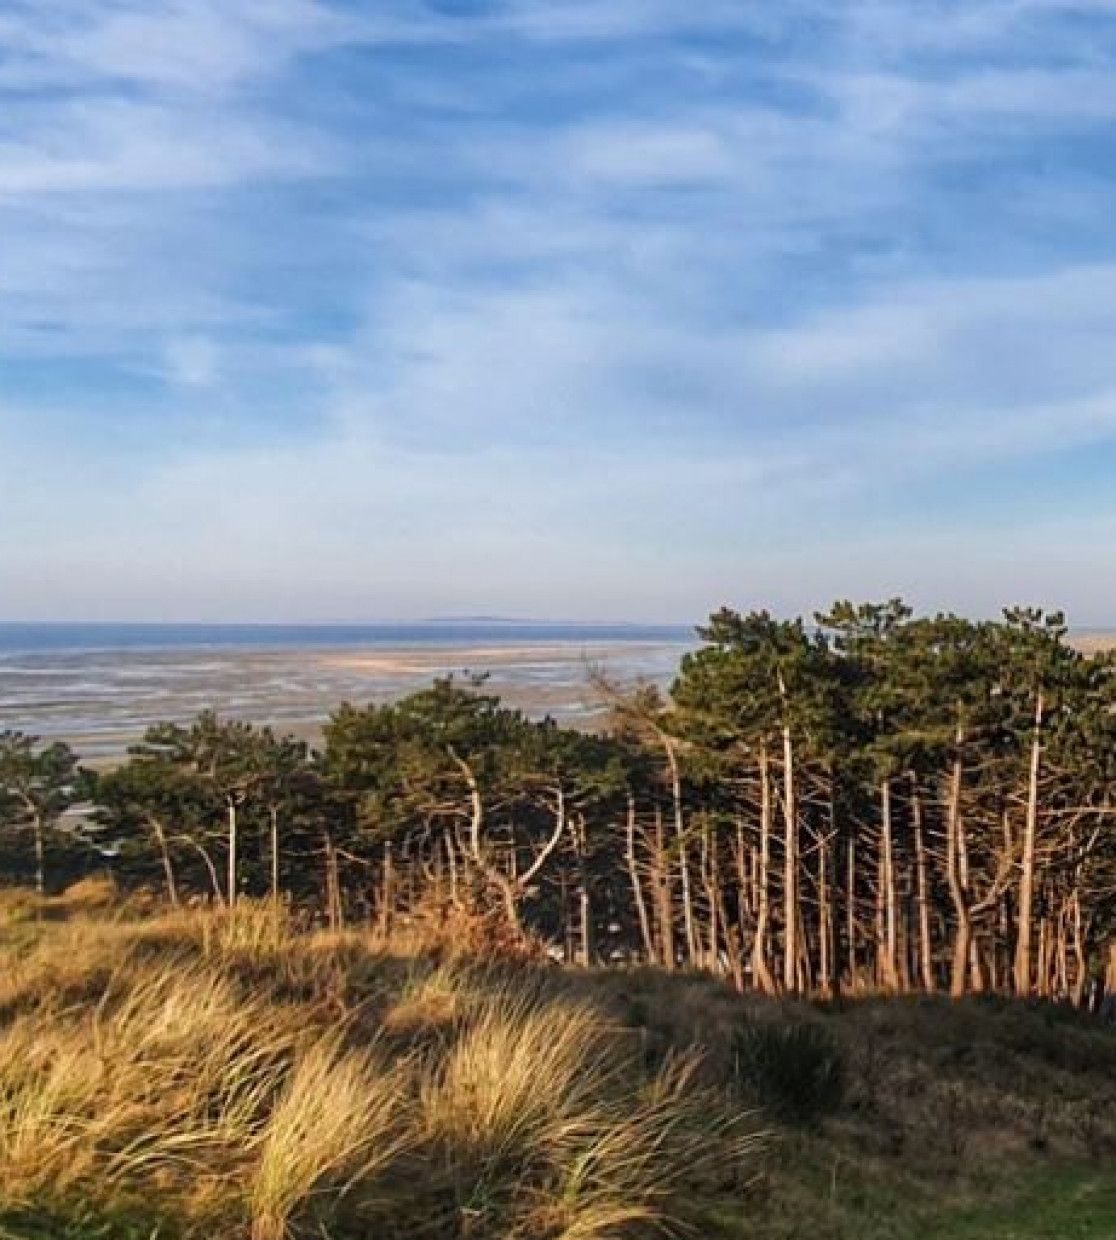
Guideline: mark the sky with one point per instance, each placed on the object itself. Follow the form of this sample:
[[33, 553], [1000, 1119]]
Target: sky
[[609, 309]]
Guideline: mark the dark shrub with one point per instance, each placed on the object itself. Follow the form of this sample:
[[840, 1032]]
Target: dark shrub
[[796, 1069]]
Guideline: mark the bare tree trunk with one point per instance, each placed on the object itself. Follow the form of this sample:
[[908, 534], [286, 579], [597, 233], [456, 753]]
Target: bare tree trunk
[[39, 830], [273, 814], [825, 905], [1080, 964], [761, 969], [1108, 1003], [1044, 970], [585, 913], [210, 866], [1049, 954], [710, 878], [637, 885], [693, 947], [1024, 982], [164, 853], [791, 918], [850, 910], [925, 950], [740, 936], [512, 885], [664, 893], [232, 855], [890, 969], [387, 890], [962, 950], [963, 933], [564, 916], [451, 867], [332, 885]]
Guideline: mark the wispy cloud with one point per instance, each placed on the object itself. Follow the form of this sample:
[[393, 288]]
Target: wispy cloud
[[558, 306]]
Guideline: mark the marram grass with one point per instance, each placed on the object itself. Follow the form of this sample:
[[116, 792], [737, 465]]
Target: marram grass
[[219, 1075]]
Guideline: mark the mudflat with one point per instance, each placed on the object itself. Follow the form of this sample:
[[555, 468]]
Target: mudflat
[[100, 702]]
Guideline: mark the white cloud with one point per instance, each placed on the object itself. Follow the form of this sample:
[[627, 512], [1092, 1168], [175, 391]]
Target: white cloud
[[114, 145], [191, 46], [193, 362], [567, 317]]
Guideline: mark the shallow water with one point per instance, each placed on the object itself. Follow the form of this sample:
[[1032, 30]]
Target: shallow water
[[99, 687]]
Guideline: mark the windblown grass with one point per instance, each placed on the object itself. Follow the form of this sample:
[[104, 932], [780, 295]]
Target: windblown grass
[[165, 1076], [225, 1074]]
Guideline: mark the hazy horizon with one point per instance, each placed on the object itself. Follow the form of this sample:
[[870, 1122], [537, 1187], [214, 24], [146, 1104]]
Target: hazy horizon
[[548, 307]]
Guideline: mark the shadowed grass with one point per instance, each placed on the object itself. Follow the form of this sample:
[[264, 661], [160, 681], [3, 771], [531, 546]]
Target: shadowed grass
[[217, 1075], [227, 1075]]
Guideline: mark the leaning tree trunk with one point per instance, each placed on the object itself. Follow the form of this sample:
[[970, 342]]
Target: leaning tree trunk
[[825, 903], [210, 868], [164, 854]]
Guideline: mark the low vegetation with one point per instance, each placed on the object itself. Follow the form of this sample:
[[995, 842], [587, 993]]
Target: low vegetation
[[222, 1075], [230, 1073]]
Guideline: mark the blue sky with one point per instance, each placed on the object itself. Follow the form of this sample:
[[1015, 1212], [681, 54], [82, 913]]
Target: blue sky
[[563, 308]]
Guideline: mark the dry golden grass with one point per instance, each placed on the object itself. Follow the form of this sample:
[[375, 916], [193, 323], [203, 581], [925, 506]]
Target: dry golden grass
[[224, 1074], [337, 1124], [220, 1075]]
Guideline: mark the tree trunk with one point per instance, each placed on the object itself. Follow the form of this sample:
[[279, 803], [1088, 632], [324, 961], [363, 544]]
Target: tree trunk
[[963, 932], [387, 890], [850, 909], [1107, 1007], [761, 970], [1080, 964], [232, 855], [889, 973], [790, 867], [585, 913], [451, 862], [273, 812], [664, 893], [825, 905], [693, 947], [210, 867], [925, 950], [168, 868], [637, 885], [586, 923], [38, 827], [1024, 981], [711, 879], [962, 950]]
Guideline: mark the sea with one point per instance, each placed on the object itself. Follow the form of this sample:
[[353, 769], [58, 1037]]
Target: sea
[[98, 686]]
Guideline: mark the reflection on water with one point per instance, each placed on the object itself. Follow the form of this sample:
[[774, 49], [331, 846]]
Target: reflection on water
[[102, 700]]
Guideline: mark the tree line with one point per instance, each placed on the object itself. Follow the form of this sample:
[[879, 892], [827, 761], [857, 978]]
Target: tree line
[[873, 801]]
